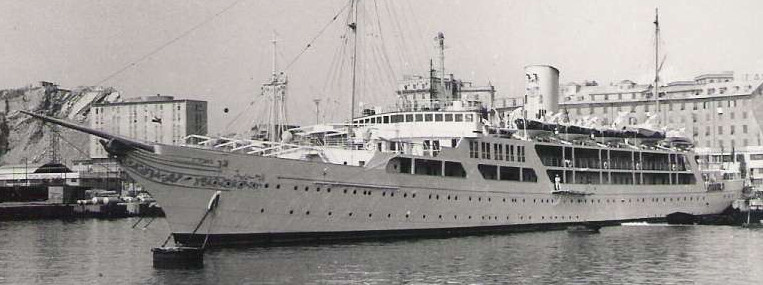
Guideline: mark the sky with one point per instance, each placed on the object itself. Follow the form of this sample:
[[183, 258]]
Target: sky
[[221, 51]]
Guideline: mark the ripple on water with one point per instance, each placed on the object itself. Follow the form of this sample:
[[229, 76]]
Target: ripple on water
[[101, 251]]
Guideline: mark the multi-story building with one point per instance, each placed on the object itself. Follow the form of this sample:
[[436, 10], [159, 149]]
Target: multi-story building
[[720, 112], [715, 110], [156, 119]]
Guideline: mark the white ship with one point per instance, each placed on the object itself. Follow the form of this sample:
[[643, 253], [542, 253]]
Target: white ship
[[415, 173], [445, 169]]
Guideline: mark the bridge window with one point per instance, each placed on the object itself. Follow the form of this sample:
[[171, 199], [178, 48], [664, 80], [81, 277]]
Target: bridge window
[[489, 172], [438, 117], [528, 175], [428, 167], [473, 149], [454, 169], [509, 173], [449, 117], [399, 165], [459, 117]]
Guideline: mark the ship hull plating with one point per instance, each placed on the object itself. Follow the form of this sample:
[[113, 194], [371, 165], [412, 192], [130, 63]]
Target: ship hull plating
[[265, 200]]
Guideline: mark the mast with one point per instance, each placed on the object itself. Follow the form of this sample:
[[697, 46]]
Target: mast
[[353, 27], [657, 64], [274, 82]]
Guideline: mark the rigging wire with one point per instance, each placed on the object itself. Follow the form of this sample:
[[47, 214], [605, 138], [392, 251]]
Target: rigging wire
[[168, 43], [310, 43]]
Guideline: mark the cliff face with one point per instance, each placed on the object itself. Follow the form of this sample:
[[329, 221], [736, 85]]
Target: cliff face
[[24, 138]]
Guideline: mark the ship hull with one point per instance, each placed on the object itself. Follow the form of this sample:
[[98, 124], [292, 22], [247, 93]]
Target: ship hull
[[265, 200]]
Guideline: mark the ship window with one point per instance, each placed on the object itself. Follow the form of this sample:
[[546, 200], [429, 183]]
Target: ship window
[[438, 117], [469, 118], [473, 149], [498, 149], [397, 118], [509, 173], [489, 172], [399, 165], [386, 119], [427, 117], [459, 117], [419, 117], [428, 167], [449, 117], [409, 117], [510, 150], [454, 169], [528, 175]]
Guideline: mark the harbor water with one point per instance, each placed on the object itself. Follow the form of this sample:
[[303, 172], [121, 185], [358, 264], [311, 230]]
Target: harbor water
[[92, 251]]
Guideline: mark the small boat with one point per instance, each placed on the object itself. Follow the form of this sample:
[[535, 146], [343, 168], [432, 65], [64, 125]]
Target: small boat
[[584, 228], [178, 257]]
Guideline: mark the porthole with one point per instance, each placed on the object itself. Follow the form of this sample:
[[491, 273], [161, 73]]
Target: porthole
[[384, 194], [405, 195], [437, 197], [389, 215], [504, 200], [328, 190], [479, 199], [307, 213], [354, 191], [330, 213], [295, 187], [307, 188], [262, 210], [291, 212], [413, 195], [318, 189], [430, 196], [440, 217], [227, 183], [489, 199], [278, 186], [455, 217], [470, 217], [369, 215], [448, 197], [214, 182], [350, 214], [423, 216], [455, 198], [470, 198], [345, 191], [406, 216], [392, 194]]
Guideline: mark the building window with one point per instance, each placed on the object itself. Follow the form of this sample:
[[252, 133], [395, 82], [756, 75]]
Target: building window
[[720, 130], [744, 130], [732, 130]]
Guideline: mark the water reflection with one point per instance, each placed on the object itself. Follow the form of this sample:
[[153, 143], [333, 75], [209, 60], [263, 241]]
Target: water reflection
[[102, 251]]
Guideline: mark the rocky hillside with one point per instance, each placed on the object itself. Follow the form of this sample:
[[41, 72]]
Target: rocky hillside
[[24, 138]]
